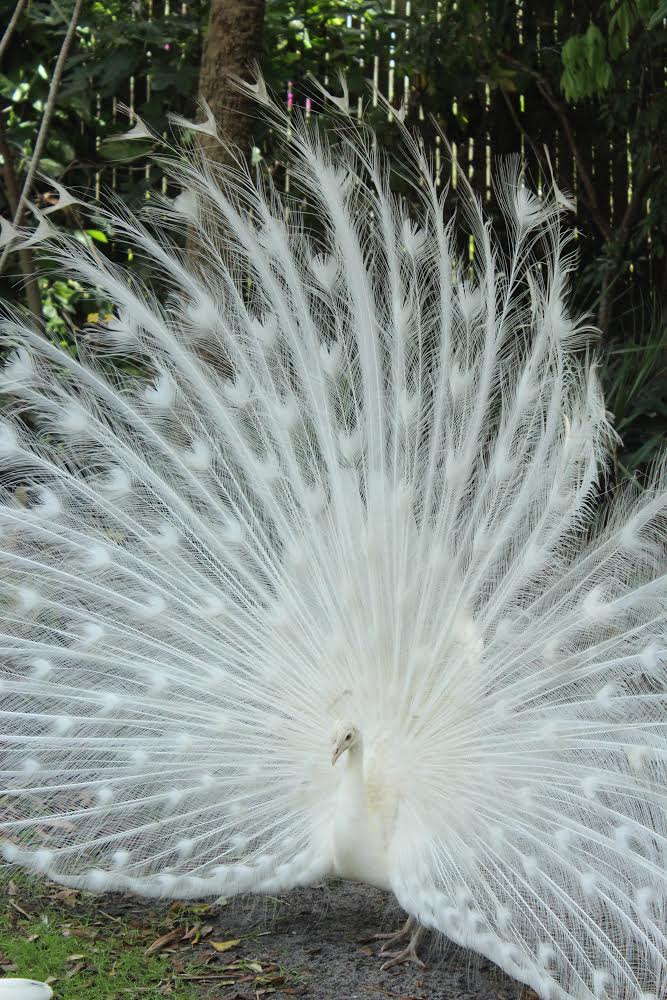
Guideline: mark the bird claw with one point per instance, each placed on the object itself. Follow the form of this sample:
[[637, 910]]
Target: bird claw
[[401, 957], [410, 929], [390, 939]]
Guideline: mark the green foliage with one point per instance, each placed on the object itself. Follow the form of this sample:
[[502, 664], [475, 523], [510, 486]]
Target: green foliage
[[516, 76], [587, 72], [658, 15], [59, 301], [627, 15], [121, 55], [592, 90], [635, 380], [306, 37], [118, 49]]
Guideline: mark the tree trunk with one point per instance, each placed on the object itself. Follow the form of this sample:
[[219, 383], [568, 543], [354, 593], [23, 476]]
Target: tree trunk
[[26, 257], [233, 44]]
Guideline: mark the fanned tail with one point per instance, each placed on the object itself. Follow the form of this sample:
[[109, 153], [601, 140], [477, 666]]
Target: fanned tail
[[361, 476]]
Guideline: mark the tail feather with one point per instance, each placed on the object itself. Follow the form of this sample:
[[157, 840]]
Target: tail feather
[[362, 475]]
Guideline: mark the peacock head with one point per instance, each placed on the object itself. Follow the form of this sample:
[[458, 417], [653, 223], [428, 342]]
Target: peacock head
[[345, 737]]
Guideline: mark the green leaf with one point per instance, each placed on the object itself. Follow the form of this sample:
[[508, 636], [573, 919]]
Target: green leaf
[[658, 17], [97, 235], [125, 149], [226, 945], [21, 92], [62, 148], [586, 72], [51, 167]]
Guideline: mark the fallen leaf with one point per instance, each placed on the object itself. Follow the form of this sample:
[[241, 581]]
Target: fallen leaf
[[75, 971], [163, 941], [67, 896], [226, 945], [80, 932]]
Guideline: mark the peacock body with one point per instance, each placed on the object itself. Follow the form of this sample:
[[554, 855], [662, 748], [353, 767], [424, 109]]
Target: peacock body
[[349, 519]]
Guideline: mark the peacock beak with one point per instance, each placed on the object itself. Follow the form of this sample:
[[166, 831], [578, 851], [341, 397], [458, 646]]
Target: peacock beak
[[338, 749]]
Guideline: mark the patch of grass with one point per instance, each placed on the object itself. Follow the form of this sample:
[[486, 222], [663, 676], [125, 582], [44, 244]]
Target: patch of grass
[[45, 935], [119, 947]]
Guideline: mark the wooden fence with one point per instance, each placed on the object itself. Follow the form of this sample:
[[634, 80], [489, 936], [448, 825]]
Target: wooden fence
[[502, 123], [594, 166]]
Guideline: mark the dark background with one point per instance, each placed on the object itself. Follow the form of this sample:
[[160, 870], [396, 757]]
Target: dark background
[[585, 80]]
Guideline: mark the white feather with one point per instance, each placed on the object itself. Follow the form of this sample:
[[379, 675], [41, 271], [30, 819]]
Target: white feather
[[380, 511]]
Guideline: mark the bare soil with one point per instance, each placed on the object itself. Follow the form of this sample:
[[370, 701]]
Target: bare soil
[[324, 936], [318, 943]]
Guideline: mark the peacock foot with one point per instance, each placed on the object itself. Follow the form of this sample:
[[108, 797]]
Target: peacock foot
[[410, 929]]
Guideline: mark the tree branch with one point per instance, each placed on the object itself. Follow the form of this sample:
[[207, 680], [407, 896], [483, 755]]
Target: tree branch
[[519, 127], [9, 30], [40, 142], [584, 176], [26, 257], [620, 242]]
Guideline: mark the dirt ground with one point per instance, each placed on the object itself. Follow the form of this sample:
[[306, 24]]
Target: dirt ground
[[325, 937], [316, 943]]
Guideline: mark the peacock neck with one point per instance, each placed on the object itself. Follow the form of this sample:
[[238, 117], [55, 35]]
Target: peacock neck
[[354, 758], [359, 851], [352, 786]]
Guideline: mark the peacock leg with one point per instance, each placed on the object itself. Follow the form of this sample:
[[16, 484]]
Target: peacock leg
[[394, 936], [410, 929]]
